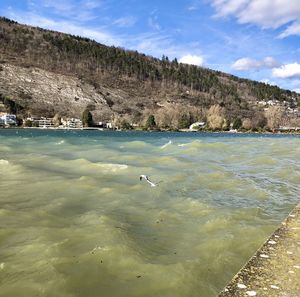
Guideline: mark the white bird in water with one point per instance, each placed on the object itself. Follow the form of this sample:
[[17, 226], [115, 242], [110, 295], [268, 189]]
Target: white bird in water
[[148, 180]]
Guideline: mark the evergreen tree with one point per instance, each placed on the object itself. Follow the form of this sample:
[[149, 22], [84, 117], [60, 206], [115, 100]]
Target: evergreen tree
[[150, 124], [125, 125], [237, 124], [184, 121], [87, 118]]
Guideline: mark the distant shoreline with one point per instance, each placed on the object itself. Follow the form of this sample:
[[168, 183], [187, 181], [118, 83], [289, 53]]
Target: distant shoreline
[[153, 131]]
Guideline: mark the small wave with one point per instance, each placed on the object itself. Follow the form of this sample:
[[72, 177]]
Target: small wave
[[183, 144], [199, 145], [167, 144], [136, 144], [60, 142], [112, 167], [4, 162], [84, 164], [193, 144]]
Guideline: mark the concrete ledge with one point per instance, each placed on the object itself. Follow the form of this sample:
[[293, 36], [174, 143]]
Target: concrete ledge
[[275, 268]]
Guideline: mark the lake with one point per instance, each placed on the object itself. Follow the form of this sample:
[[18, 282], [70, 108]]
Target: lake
[[75, 220]]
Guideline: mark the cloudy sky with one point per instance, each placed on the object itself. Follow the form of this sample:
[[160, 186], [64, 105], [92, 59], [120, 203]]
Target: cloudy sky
[[256, 39]]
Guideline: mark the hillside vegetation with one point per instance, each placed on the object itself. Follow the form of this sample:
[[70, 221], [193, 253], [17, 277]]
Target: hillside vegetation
[[47, 73]]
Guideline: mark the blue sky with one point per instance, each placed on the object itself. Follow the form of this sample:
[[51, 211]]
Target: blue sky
[[256, 39]]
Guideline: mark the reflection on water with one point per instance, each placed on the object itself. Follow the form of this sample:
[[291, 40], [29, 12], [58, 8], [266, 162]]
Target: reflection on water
[[76, 221]]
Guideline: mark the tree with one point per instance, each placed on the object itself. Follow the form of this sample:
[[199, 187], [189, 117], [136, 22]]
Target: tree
[[87, 118], [184, 121], [237, 123], [28, 123], [274, 116], [150, 124], [258, 120], [215, 117], [57, 120], [247, 124], [125, 125]]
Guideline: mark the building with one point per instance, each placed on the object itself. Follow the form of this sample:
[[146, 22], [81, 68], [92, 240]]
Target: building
[[287, 128], [41, 122], [45, 123], [197, 126], [9, 119], [109, 125], [72, 123]]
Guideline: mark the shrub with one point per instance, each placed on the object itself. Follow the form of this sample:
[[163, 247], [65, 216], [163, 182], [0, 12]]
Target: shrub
[[150, 124]]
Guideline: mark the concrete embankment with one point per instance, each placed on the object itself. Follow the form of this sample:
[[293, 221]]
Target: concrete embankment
[[274, 271]]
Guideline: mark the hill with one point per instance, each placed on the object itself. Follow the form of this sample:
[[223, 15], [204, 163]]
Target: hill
[[44, 72]]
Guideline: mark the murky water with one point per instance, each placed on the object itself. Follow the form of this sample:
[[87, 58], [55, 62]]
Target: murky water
[[76, 221]]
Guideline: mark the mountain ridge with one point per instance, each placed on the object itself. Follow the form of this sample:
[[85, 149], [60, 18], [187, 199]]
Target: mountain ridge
[[53, 72]]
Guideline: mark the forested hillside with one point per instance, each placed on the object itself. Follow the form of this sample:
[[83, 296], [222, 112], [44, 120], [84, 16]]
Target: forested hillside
[[51, 72]]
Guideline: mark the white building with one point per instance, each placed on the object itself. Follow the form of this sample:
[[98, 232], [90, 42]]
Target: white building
[[72, 123], [41, 122], [45, 123], [109, 125], [9, 119], [197, 125]]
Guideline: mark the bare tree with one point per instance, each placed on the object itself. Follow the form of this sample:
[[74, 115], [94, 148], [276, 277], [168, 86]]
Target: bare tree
[[247, 124], [216, 117], [274, 116]]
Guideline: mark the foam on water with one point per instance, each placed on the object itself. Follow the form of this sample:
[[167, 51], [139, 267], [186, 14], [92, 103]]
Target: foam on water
[[167, 144], [76, 221], [4, 163]]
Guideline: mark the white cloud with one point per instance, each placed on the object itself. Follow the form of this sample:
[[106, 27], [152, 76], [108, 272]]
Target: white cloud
[[252, 64], [153, 23], [58, 6], [192, 59], [270, 62], [269, 82], [69, 9], [192, 8], [264, 13], [293, 29], [66, 27], [91, 4], [125, 22], [158, 44], [287, 71], [296, 90], [246, 64]]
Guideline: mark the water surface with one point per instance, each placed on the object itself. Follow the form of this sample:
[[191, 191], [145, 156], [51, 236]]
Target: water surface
[[76, 221]]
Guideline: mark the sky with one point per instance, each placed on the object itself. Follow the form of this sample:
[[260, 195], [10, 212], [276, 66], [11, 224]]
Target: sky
[[255, 39]]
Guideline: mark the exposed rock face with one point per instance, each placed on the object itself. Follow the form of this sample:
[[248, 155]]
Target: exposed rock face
[[44, 91]]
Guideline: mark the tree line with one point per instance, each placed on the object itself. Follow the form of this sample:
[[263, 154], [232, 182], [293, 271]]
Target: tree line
[[78, 53]]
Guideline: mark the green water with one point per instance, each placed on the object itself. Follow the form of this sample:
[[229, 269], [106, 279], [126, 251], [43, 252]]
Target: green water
[[76, 221]]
